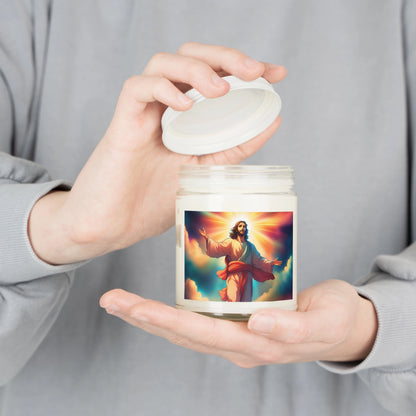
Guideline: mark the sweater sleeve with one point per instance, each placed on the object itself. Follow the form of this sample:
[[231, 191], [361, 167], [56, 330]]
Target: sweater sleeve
[[22, 183], [390, 368], [32, 292]]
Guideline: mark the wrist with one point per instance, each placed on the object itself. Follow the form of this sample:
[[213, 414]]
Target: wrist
[[51, 230], [367, 327], [359, 341]]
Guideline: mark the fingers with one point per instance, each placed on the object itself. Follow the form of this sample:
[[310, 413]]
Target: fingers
[[157, 84], [119, 300], [232, 61], [223, 59], [138, 91], [197, 328], [271, 336], [196, 65], [188, 70], [277, 262], [274, 73], [228, 339]]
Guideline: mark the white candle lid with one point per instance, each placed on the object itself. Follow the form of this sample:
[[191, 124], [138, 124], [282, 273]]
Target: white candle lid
[[216, 124]]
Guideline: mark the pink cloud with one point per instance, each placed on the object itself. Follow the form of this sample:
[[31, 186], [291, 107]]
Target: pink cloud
[[191, 291]]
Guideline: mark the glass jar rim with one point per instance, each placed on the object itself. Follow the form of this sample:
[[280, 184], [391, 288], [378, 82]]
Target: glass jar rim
[[236, 178], [283, 170]]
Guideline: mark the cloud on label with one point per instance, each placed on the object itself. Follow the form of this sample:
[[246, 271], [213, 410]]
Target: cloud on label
[[280, 281], [194, 251], [191, 291]]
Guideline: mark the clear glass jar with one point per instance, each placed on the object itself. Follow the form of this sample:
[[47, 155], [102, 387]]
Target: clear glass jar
[[236, 240]]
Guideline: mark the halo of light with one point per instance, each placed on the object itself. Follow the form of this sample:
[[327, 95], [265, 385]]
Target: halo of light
[[264, 228]]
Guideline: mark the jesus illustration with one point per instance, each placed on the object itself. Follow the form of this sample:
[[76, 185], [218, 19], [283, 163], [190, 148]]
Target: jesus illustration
[[243, 263]]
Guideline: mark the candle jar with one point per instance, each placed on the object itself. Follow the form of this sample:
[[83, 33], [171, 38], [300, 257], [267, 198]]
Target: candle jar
[[235, 240]]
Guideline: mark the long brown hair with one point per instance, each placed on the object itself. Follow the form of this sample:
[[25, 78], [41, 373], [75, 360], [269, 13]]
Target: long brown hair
[[234, 231]]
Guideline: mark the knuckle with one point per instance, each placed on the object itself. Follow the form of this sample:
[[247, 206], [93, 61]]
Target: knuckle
[[193, 70], [158, 57], [269, 352], [179, 341], [162, 84], [135, 310], [131, 82], [156, 62], [198, 75], [299, 333], [269, 356], [186, 47], [230, 53]]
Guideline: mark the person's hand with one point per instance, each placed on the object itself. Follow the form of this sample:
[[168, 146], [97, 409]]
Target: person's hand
[[203, 233], [126, 190], [332, 323]]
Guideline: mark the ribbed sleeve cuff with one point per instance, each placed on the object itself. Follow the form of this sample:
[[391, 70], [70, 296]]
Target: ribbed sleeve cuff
[[395, 344], [19, 262]]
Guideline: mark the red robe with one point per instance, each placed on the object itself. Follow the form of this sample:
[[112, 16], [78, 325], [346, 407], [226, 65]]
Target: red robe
[[243, 268]]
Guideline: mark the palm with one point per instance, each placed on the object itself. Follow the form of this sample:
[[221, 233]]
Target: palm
[[331, 324]]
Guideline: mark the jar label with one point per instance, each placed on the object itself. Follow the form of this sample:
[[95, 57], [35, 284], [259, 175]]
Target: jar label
[[238, 256]]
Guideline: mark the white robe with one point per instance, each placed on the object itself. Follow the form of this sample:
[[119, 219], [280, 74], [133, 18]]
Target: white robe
[[245, 252]]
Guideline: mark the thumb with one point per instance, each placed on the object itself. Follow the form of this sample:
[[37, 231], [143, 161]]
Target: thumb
[[119, 301], [292, 327]]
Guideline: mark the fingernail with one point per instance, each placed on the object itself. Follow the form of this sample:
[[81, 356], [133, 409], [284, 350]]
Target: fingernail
[[111, 310], [106, 304], [250, 63], [184, 99], [262, 324], [217, 80]]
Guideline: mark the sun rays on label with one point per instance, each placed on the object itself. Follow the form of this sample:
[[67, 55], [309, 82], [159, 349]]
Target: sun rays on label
[[264, 228]]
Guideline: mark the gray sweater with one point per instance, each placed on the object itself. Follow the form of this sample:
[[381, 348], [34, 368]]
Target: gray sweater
[[349, 129]]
